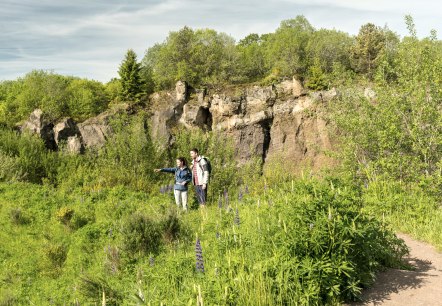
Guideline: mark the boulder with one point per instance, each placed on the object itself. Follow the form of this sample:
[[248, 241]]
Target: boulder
[[181, 90], [297, 88], [65, 129], [74, 145], [96, 130], [38, 124]]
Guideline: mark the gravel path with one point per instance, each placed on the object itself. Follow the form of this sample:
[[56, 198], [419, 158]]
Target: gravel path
[[423, 286]]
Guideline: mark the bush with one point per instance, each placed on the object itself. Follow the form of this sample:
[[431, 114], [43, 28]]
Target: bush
[[141, 235], [18, 217]]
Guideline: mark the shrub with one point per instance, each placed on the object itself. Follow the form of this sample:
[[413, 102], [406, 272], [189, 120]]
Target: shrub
[[141, 234], [64, 215], [18, 217]]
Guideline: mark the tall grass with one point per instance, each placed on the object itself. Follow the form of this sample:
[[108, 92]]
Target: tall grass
[[293, 242]]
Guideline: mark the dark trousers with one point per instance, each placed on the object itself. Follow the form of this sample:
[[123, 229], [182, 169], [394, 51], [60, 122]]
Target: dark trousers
[[201, 194]]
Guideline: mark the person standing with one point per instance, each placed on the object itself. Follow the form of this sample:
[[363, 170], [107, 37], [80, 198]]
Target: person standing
[[182, 177], [200, 176]]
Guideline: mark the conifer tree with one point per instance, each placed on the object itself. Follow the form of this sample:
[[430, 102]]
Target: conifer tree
[[132, 87]]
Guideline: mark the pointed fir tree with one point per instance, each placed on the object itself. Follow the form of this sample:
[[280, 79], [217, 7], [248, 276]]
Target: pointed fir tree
[[132, 87]]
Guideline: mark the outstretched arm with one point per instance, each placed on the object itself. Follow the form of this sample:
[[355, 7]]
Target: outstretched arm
[[169, 170]]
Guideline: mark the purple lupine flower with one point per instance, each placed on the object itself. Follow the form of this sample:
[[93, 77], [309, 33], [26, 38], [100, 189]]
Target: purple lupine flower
[[162, 190], [171, 188], [199, 257], [237, 220], [151, 261], [220, 203], [226, 197], [110, 232], [240, 195], [246, 189]]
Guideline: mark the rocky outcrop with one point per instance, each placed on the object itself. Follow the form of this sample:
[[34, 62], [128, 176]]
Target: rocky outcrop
[[278, 123], [74, 145], [38, 124], [95, 131], [70, 136], [65, 129]]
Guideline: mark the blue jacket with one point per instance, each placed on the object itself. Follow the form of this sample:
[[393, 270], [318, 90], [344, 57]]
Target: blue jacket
[[181, 175]]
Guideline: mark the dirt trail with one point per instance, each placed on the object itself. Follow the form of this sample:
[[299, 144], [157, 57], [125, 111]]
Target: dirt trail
[[423, 286]]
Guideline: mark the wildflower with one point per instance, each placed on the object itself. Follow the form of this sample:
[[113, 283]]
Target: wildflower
[[162, 190], [226, 197], [311, 226], [199, 257], [246, 190], [151, 261], [240, 195], [218, 235], [237, 220], [110, 232], [220, 203]]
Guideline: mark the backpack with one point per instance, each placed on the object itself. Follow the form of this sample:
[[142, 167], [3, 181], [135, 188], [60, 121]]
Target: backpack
[[209, 165]]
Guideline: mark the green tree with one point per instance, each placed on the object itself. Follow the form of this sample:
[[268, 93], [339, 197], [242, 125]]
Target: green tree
[[329, 47], [398, 135], [201, 56], [251, 61], [286, 48], [86, 98], [37, 89], [131, 85], [369, 43], [316, 79]]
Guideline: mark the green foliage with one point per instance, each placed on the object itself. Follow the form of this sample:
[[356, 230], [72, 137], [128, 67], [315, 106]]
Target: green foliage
[[251, 58], [316, 79], [24, 157], [397, 135], [58, 96], [86, 99], [329, 47], [371, 43], [56, 253], [286, 48], [130, 78], [64, 215], [200, 56], [141, 235], [98, 290], [302, 241], [113, 91]]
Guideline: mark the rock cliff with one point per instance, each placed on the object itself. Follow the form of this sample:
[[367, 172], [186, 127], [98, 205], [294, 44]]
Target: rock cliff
[[277, 123]]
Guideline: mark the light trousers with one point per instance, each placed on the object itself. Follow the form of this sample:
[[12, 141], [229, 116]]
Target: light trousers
[[181, 198]]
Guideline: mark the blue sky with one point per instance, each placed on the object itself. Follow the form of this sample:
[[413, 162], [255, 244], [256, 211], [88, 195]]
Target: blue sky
[[90, 38]]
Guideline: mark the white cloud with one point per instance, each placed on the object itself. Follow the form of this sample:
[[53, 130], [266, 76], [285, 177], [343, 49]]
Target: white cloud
[[89, 39]]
